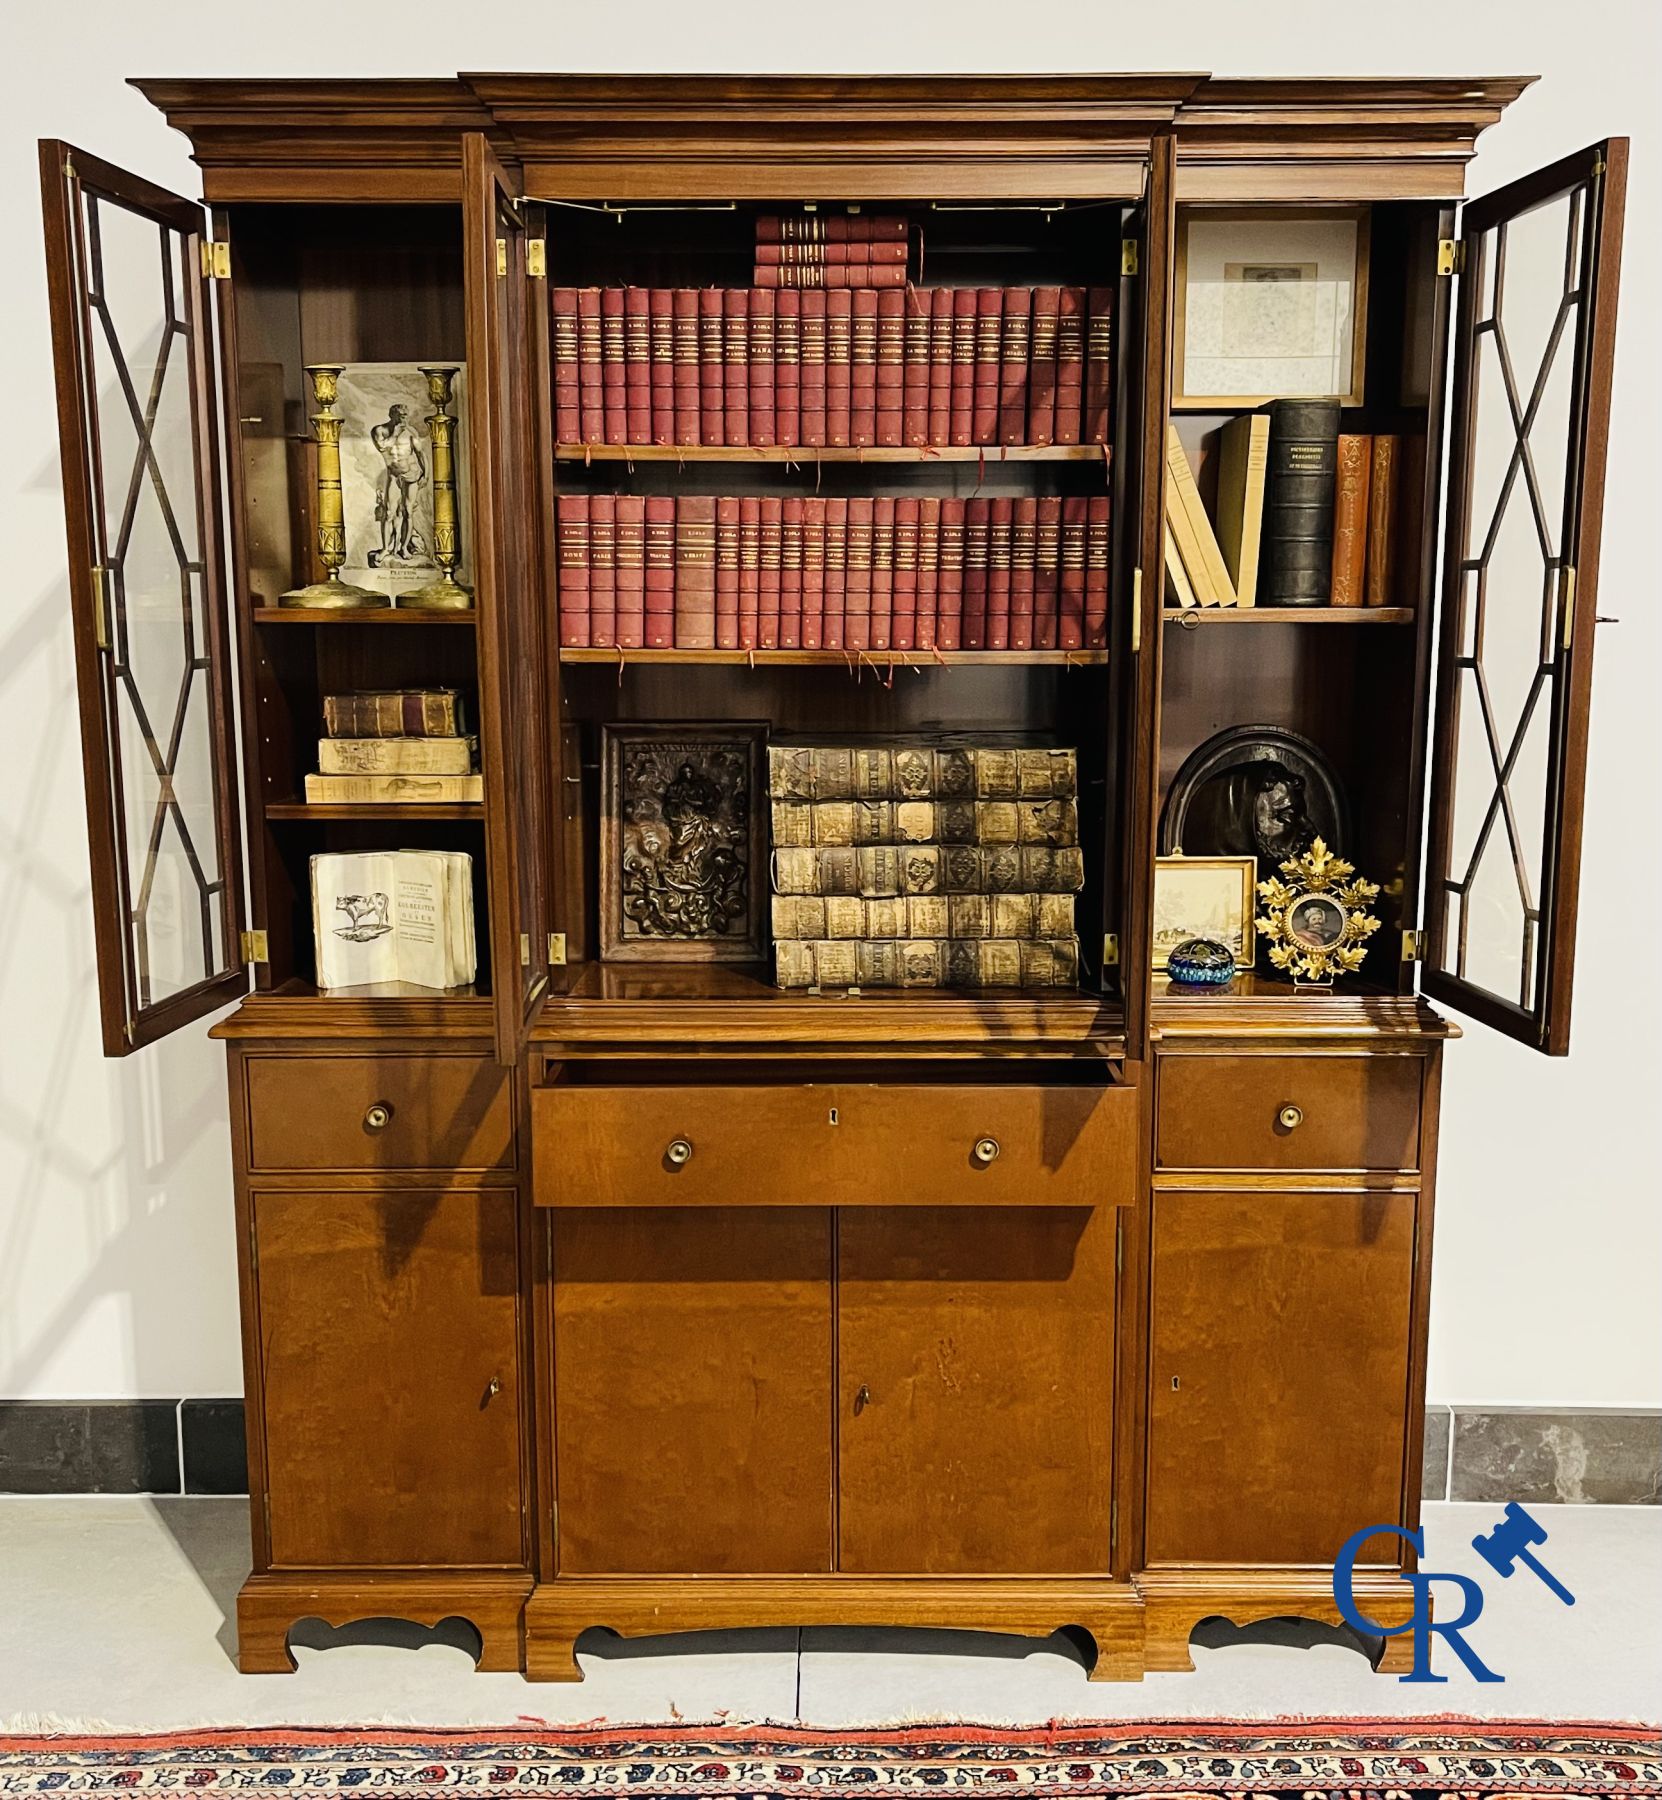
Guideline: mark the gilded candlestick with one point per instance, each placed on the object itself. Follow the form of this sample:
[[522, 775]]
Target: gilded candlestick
[[446, 594], [331, 594]]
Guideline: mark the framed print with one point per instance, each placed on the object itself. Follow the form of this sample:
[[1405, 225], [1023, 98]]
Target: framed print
[[1206, 897], [1271, 304]]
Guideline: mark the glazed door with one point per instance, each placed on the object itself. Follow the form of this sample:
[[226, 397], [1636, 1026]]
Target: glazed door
[[138, 429], [1534, 349], [504, 381]]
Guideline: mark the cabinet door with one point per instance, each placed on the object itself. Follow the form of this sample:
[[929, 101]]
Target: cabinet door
[[389, 1340], [975, 1376], [1534, 349], [511, 537], [1278, 1366], [138, 434]]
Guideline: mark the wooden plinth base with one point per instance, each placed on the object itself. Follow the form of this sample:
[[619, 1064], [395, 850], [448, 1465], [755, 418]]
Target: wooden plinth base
[[270, 1606], [560, 1611]]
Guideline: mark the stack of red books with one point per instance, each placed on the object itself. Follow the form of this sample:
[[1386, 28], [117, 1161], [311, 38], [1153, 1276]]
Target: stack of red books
[[808, 251]]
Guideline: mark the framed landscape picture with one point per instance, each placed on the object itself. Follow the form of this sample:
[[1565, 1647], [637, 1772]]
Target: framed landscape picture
[[1205, 897]]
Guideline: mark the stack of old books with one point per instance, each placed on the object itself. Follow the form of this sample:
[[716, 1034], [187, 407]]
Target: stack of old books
[[406, 747], [925, 866]]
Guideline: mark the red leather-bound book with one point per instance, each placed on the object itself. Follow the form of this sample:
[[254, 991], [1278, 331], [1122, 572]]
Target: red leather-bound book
[[790, 573], [862, 360], [735, 351], [839, 369], [663, 627], [903, 634], [711, 369], [637, 365], [603, 570], [727, 574], [929, 571], [965, 311], [695, 571], [1041, 365], [914, 399], [1096, 573], [891, 367], [611, 366], [835, 589], [1012, 377], [750, 571], [1071, 607], [1099, 366], [567, 406], [571, 518], [860, 274], [977, 518], [787, 367], [813, 572], [1024, 555], [684, 366], [1000, 516], [938, 400], [1047, 572], [829, 256], [770, 542], [1070, 366], [857, 576], [631, 573], [813, 370], [660, 307], [590, 382], [762, 304], [829, 228], [949, 582], [882, 574], [989, 328]]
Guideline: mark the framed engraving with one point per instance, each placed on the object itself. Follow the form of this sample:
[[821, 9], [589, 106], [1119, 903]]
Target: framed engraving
[[1205, 897], [683, 873], [1271, 304]]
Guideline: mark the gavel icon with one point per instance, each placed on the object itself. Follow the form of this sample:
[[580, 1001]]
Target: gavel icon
[[1509, 1544]]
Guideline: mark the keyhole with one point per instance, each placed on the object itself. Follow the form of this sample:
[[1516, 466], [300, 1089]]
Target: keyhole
[[834, 1119], [862, 1399]]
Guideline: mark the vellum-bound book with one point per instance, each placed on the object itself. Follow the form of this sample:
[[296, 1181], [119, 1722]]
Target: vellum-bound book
[[394, 915]]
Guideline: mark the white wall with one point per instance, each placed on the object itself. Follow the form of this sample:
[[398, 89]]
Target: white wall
[[116, 1262]]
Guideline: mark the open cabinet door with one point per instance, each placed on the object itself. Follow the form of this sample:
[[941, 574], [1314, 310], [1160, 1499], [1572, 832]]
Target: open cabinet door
[[503, 379], [138, 429], [1534, 346]]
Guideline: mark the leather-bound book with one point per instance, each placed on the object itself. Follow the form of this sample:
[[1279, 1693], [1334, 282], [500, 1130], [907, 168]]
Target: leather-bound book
[[787, 367], [862, 359], [663, 604], [762, 305], [727, 574], [966, 306], [977, 519], [949, 580], [637, 365], [790, 573], [712, 377], [1047, 573], [1070, 366], [891, 367], [1024, 569], [1012, 356], [660, 310], [571, 518], [695, 571], [813, 572], [1384, 501], [928, 571], [857, 576], [882, 573], [1352, 479], [590, 364], [603, 570], [750, 572], [914, 402], [812, 431], [568, 426], [839, 371], [938, 421], [632, 631], [835, 588], [1096, 573], [989, 329], [1041, 366], [770, 545], [1071, 606], [904, 632], [684, 382], [1000, 528], [394, 713], [612, 380], [1297, 567], [735, 356], [1099, 366]]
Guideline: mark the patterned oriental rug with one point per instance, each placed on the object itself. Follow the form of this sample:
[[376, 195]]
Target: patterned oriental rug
[[1291, 1759]]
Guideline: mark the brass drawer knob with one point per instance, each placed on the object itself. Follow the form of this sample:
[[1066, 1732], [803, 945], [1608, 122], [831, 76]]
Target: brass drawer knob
[[679, 1154], [1290, 1117], [985, 1151], [379, 1116]]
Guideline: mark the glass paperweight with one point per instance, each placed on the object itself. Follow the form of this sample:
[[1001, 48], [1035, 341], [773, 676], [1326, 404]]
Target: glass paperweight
[[1201, 963]]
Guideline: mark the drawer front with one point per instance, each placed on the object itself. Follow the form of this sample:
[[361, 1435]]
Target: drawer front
[[1290, 1112], [446, 1113], [845, 1144]]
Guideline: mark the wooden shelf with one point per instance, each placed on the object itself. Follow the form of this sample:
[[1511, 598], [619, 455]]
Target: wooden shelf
[[366, 615], [802, 454], [1289, 615], [880, 660], [415, 812]]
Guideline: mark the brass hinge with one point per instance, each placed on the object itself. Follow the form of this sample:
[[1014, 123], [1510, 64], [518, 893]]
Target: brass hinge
[[525, 949], [1413, 946], [216, 259], [1451, 256], [502, 256], [1598, 167], [253, 947], [1110, 950], [536, 258], [100, 607], [1566, 601], [1128, 256], [1136, 610], [556, 949]]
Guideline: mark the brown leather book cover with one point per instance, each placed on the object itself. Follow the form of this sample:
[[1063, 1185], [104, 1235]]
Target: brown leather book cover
[[1070, 366], [961, 382], [761, 306], [928, 571], [1096, 573], [1099, 366], [891, 367], [977, 519], [684, 387], [590, 382], [1071, 612], [949, 580], [662, 601], [1047, 573], [1350, 518], [727, 574], [903, 634], [914, 402], [735, 356], [603, 569], [571, 518], [1384, 499], [1024, 560], [812, 431], [813, 572], [790, 573], [989, 341], [862, 361], [631, 577], [938, 423], [839, 369], [568, 428], [750, 571], [637, 365], [1000, 525], [787, 367], [1041, 364], [882, 573], [857, 576], [835, 590], [660, 312], [770, 544], [694, 621], [611, 366], [711, 369], [1012, 378]]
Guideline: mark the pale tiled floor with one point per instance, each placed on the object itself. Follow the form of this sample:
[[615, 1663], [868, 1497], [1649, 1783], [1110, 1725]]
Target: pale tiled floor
[[115, 1611]]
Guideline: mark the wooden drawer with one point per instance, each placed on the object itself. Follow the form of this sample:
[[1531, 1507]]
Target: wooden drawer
[[445, 1113], [1225, 1112], [842, 1144]]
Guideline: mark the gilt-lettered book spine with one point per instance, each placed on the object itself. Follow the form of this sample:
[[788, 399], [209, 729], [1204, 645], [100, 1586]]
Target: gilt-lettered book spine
[[695, 571], [856, 620], [787, 367], [839, 368], [591, 407], [882, 573], [571, 521], [750, 571], [863, 368], [761, 321], [1012, 382], [989, 329], [903, 634], [890, 388], [1047, 573], [612, 363], [914, 402], [684, 383], [1297, 556], [603, 570], [410, 712], [1041, 379], [929, 570], [966, 313], [661, 339], [977, 520], [568, 419], [712, 375], [1096, 572], [727, 574], [637, 366], [1000, 524], [813, 572], [632, 622], [835, 588], [790, 573], [735, 341], [770, 557], [1099, 365], [664, 600], [812, 432], [1070, 366]]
